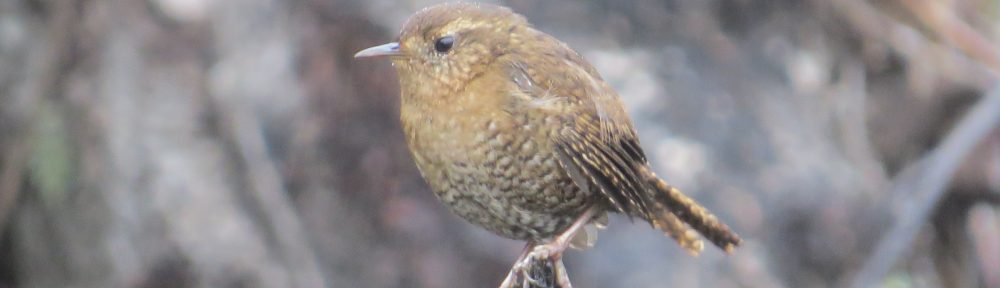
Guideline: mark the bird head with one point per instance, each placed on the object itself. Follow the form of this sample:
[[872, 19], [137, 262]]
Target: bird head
[[442, 47]]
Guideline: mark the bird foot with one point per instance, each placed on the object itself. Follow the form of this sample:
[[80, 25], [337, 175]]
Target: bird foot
[[542, 267], [552, 250]]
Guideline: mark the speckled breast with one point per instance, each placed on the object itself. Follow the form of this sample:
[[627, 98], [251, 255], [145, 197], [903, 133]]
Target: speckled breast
[[497, 171]]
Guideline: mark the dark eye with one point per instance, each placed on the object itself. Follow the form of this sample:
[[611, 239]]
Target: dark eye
[[443, 44]]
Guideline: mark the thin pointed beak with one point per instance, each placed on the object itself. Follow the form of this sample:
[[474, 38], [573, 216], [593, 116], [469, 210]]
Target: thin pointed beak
[[388, 49]]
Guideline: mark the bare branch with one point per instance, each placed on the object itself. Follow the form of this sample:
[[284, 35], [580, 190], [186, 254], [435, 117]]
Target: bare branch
[[935, 172], [948, 26]]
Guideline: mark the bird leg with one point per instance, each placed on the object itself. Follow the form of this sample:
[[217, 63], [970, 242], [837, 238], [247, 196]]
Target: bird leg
[[515, 271], [548, 254]]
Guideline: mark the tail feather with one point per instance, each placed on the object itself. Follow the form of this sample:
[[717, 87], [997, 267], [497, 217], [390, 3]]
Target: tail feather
[[690, 212], [676, 229]]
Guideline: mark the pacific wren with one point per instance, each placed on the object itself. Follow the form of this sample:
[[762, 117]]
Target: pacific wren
[[517, 133]]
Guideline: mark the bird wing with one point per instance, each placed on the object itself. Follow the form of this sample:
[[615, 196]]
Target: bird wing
[[598, 147], [595, 140]]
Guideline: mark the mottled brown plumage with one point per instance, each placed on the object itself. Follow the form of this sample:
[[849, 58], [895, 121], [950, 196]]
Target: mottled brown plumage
[[517, 133]]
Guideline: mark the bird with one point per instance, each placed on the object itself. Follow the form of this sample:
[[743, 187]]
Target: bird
[[517, 133]]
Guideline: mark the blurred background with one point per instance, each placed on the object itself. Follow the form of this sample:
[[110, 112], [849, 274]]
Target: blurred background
[[211, 143]]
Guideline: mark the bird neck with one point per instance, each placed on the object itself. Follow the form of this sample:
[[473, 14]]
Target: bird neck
[[479, 94]]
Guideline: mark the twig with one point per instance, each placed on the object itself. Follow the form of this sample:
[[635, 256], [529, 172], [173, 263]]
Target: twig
[[267, 192], [948, 26], [938, 167], [864, 17], [935, 172], [241, 38]]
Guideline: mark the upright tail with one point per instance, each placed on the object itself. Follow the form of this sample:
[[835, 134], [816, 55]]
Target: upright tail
[[681, 208]]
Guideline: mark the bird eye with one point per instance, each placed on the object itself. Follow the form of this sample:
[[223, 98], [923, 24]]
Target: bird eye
[[443, 44]]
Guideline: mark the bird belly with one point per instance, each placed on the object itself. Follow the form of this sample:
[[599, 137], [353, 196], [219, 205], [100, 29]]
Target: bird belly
[[500, 175]]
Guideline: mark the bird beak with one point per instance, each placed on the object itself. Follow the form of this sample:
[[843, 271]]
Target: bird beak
[[388, 49]]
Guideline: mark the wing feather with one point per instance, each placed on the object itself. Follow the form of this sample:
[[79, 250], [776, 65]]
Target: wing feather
[[597, 143]]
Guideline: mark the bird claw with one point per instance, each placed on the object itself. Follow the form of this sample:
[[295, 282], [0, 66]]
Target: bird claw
[[542, 266], [545, 260], [519, 275], [545, 252], [530, 281]]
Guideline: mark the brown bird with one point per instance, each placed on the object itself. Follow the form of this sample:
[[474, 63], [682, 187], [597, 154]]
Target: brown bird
[[517, 133]]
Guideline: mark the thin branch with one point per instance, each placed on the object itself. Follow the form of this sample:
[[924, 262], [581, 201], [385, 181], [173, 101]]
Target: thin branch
[[866, 19], [936, 169], [935, 172], [267, 191], [943, 21], [240, 40]]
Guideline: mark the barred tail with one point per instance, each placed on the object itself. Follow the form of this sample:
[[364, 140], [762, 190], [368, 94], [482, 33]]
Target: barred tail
[[676, 229], [690, 212]]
